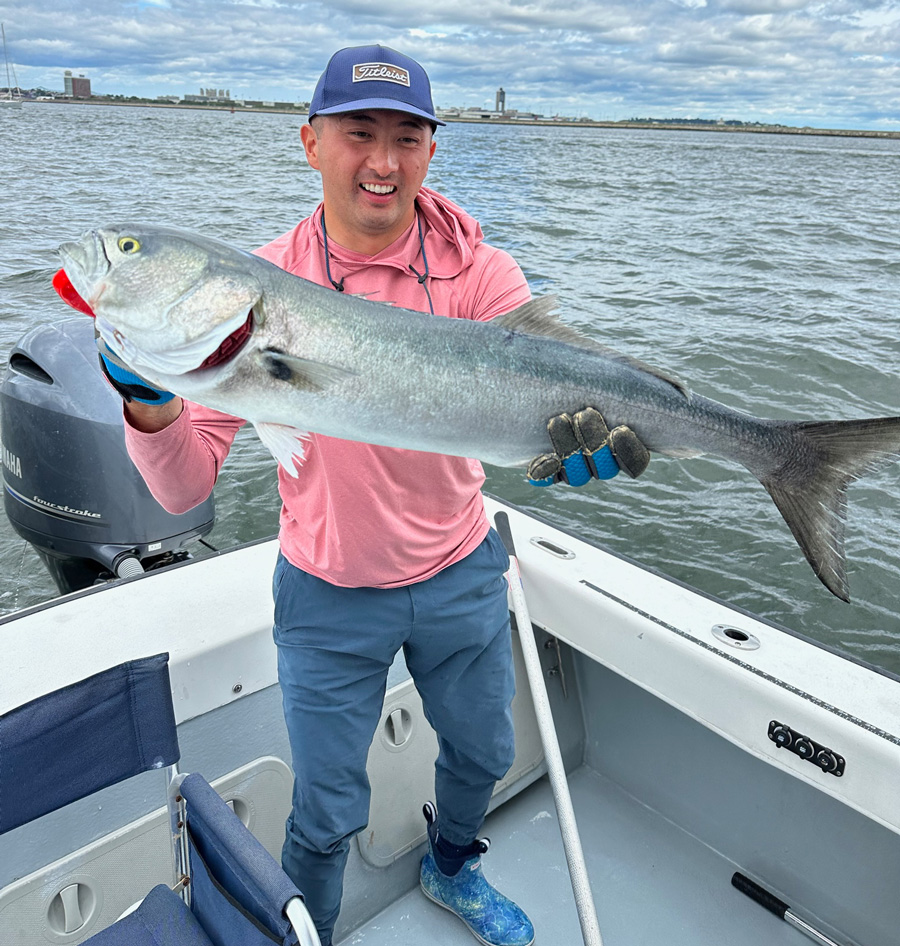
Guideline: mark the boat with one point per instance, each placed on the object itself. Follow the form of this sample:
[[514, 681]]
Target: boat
[[714, 760], [12, 98]]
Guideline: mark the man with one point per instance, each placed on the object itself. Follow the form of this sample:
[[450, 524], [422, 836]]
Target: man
[[382, 549]]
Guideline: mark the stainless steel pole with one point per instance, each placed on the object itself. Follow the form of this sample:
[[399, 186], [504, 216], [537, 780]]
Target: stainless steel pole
[[584, 900]]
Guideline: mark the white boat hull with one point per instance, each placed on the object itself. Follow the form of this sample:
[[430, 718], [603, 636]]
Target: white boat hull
[[664, 726]]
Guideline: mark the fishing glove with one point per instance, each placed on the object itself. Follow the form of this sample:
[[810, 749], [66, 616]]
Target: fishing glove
[[585, 449], [131, 386]]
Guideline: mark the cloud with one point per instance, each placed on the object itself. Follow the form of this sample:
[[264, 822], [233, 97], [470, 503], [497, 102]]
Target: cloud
[[829, 62]]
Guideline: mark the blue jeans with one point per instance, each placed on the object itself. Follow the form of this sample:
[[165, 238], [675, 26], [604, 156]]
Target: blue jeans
[[335, 646]]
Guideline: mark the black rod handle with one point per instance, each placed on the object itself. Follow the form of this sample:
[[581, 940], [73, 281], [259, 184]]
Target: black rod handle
[[759, 894], [501, 521], [780, 909]]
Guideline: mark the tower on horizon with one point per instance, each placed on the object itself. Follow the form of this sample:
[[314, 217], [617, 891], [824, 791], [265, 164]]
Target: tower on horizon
[[500, 101]]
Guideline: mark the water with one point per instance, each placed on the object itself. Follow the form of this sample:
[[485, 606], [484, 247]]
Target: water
[[764, 270]]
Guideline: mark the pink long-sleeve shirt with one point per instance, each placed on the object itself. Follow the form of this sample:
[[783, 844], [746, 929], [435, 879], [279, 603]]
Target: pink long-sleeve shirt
[[359, 515]]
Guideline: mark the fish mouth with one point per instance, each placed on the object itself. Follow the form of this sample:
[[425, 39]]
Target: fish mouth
[[85, 263], [231, 346]]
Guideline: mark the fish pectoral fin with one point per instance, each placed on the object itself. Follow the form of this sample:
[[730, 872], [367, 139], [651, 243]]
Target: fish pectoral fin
[[285, 444], [312, 376], [540, 317]]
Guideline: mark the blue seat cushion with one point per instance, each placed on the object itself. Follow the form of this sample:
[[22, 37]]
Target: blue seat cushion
[[162, 919]]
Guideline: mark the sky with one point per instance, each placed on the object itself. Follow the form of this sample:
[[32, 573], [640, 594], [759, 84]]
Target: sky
[[826, 64]]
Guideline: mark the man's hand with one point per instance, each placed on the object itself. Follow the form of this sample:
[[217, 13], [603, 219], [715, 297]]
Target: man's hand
[[585, 449], [147, 408], [131, 386]]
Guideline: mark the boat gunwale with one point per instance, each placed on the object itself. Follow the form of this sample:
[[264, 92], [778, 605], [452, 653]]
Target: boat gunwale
[[544, 520]]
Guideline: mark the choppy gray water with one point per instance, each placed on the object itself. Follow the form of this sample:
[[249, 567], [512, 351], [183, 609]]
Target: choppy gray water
[[763, 270]]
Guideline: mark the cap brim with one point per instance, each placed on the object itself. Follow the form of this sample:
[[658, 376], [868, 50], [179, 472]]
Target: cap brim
[[389, 104]]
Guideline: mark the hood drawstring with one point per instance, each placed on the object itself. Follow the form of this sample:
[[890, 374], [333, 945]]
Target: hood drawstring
[[339, 286], [421, 277]]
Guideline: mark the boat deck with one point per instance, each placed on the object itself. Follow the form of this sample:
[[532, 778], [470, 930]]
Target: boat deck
[[652, 882]]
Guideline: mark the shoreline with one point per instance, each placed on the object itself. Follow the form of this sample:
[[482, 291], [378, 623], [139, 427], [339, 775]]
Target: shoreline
[[539, 123]]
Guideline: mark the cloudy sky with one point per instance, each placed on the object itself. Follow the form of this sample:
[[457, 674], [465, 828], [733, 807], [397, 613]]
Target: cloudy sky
[[824, 63]]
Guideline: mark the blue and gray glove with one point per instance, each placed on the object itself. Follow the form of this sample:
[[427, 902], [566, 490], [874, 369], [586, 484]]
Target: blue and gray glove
[[131, 386], [585, 449]]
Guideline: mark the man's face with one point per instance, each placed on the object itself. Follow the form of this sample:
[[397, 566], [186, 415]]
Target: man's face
[[372, 164]]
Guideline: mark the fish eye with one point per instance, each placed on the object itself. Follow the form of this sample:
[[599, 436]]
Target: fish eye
[[129, 244]]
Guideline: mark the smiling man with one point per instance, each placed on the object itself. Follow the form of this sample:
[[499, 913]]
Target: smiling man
[[397, 554]]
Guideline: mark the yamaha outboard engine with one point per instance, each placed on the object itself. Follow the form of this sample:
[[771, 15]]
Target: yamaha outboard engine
[[71, 489]]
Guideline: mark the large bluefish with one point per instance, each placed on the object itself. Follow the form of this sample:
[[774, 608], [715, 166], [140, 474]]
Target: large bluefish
[[229, 330]]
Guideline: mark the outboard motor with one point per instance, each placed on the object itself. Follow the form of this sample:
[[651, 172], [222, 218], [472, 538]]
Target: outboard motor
[[71, 489]]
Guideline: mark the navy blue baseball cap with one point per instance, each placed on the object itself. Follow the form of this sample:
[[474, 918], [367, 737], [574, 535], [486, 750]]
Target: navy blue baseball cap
[[361, 77]]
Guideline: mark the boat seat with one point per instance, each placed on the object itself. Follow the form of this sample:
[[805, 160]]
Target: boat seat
[[105, 729], [81, 738], [162, 919]]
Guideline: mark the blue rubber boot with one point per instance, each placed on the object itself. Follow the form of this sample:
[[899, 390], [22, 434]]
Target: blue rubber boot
[[492, 918]]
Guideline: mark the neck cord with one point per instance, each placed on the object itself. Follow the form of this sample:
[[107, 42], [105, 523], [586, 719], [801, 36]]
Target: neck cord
[[339, 286], [421, 277]]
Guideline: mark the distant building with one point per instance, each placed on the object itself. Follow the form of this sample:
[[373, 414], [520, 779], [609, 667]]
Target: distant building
[[483, 114], [217, 96], [467, 114], [499, 113], [77, 87]]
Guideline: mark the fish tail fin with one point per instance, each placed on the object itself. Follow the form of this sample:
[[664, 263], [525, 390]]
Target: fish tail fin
[[810, 488]]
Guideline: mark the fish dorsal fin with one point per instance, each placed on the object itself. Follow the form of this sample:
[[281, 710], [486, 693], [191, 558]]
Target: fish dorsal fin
[[540, 317]]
